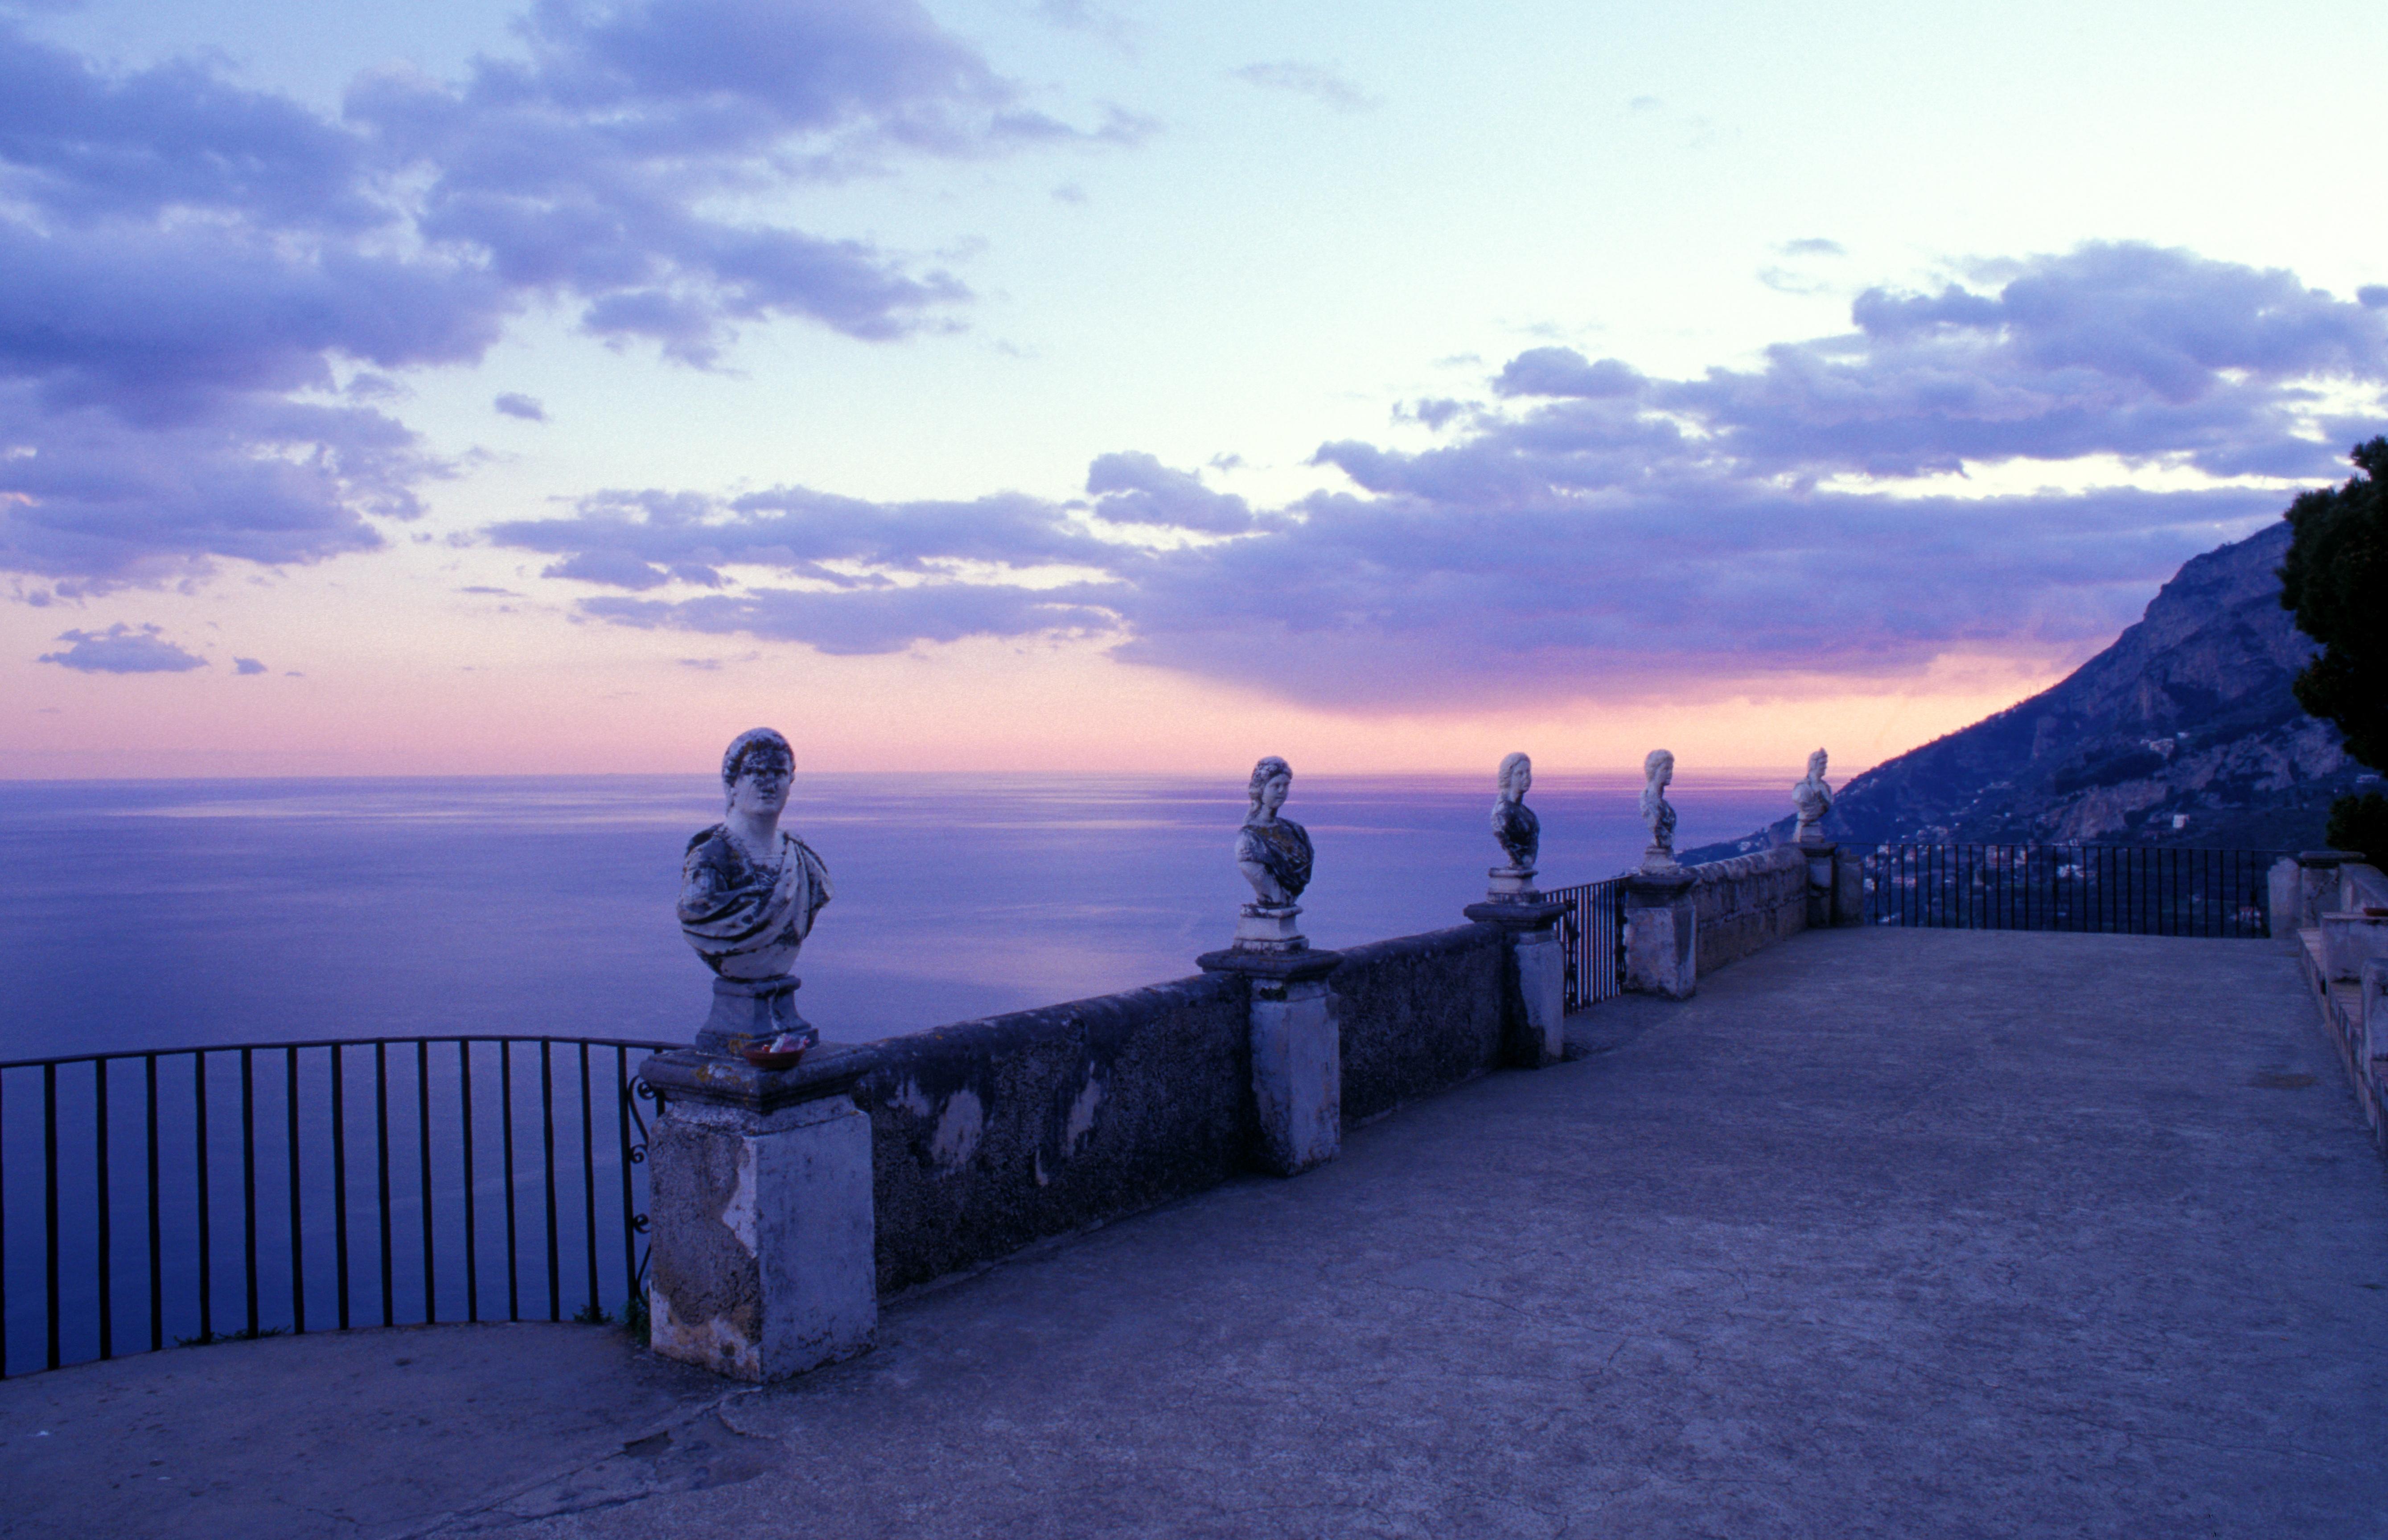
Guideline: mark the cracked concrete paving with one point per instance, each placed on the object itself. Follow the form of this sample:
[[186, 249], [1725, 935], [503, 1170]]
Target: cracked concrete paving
[[1885, 1233]]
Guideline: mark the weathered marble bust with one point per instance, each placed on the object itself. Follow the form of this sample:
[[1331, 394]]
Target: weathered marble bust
[[1274, 853], [1657, 771], [1813, 797], [1514, 823], [749, 889]]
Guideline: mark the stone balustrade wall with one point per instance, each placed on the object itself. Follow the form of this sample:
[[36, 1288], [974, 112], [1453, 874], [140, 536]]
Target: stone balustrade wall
[[1419, 1015], [1749, 903], [990, 1135]]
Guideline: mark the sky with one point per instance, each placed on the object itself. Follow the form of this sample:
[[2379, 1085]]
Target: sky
[[1031, 384]]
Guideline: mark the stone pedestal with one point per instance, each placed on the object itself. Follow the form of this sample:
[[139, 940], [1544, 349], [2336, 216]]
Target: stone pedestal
[[2375, 1009], [759, 1200], [1661, 946], [1848, 887], [1511, 884], [1297, 1054], [752, 1010], [1538, 968], [2317, 883], [2350, 940], [1269, 928], [1824, 858], [2285, 890]]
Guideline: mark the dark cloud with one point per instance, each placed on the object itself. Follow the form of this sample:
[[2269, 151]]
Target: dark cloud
[[1317, 81], [874, 620], [193, 267], [122, 649], [1137, 489], [528, 408], [1608, 531], [247, 666], [1565, 372]]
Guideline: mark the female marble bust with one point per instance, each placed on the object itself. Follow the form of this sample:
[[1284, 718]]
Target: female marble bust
[[1514, 823], [1273, 852], [1657, 771], [749, 889], [1813, 797]]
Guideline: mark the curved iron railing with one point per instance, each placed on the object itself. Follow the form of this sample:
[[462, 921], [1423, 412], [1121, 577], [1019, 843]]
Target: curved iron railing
[[120, 1184]]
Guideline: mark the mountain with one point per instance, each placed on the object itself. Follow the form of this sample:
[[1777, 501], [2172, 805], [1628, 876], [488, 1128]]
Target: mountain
[[2183, 733]]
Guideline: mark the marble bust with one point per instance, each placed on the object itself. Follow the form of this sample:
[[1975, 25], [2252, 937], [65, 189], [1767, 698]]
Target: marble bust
[[1515, 825], [1274, 855], [1657, 770], [1273, 852], [1813, 797], [749, 889]]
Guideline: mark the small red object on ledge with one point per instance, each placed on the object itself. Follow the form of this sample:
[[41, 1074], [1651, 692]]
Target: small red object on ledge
[[781, 1053]]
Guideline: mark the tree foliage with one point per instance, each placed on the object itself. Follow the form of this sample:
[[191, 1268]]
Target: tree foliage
[[2336, 580], [2360, 823]]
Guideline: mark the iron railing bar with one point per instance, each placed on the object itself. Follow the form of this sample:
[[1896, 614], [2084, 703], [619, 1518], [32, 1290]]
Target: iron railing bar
[[248, 1181], [298, 1230], [547, 1124], [506, 1121], [50, 1201], [471, 1239], [340, 1178], [422, 1171], [622, 1123], [3, 1226], [381, 1149], [157, 1253], [206, 1260], [589, 1178], [105, 1232]]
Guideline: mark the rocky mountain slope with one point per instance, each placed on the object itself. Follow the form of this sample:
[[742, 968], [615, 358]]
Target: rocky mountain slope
[[2183, 733]]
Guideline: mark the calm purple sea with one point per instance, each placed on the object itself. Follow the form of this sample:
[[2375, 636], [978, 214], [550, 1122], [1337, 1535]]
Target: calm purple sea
[[154, 915]]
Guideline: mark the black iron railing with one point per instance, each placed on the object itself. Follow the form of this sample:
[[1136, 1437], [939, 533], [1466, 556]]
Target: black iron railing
[[1593, 941], [2133, 889], [378, 1182]]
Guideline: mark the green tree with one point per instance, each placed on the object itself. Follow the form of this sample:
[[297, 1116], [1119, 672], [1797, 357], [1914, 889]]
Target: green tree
[[2336, 580]]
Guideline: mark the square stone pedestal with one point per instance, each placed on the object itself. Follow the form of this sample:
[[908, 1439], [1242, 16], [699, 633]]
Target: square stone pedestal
[[1538, 968], [2317, 883], [2350, 940], [1823, 856], [2375, 1009], [1297, 1048], [759, 1200], [1662, 946]]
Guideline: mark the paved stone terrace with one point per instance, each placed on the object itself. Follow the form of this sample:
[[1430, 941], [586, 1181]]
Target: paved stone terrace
[[1887, 1233]]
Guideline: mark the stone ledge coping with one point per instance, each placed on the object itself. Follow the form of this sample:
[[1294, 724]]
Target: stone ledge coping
[[1286, 966], [1661, 885], [1512, 914], [826, 1071]]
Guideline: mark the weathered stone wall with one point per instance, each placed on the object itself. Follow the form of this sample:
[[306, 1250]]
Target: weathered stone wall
[[992, 1134], [1747, 903], [1419, 1014]]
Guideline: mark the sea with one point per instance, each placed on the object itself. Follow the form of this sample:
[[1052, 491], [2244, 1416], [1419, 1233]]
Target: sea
[[154, 915]]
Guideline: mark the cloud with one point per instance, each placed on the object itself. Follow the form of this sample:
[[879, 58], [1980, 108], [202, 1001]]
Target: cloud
[[210, 286], [1811, 245], [1317, 81], [121, 649], [526, 407], [1605, 532], [247, 666]]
